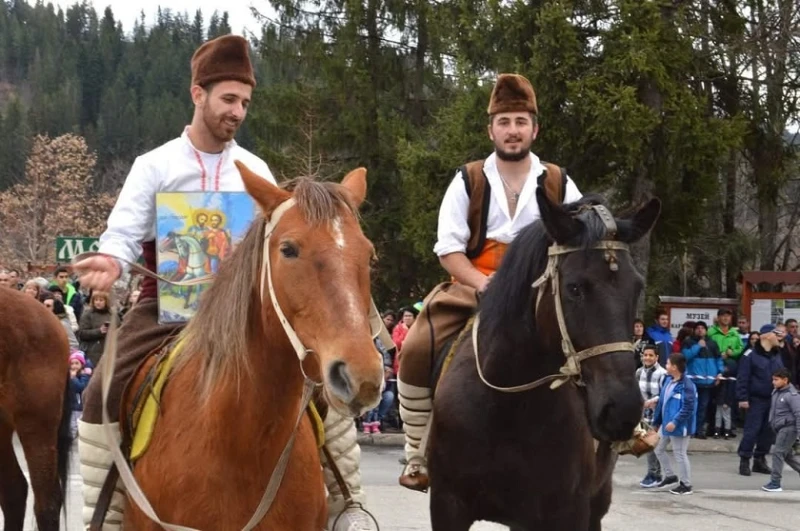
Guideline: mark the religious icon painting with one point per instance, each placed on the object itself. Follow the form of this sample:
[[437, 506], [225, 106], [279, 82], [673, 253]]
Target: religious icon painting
[[195, 232]]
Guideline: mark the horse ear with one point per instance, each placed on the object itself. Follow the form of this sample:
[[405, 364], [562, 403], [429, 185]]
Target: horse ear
[[356, 182], [558, 223], [641, 222], [267, 195]]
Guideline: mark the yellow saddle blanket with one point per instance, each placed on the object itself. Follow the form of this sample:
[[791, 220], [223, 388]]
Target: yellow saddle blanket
[[146, 406]]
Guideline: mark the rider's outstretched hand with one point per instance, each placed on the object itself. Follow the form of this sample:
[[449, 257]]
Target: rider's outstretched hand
[[97, 272]]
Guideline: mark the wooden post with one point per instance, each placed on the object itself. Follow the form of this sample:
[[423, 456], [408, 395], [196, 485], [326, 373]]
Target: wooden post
[[747, 301]]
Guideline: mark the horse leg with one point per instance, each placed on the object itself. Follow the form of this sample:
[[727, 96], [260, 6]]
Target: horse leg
[[13, 485], [559, 513], [189, 290], [39, 442], [449, 512], [600, 505]]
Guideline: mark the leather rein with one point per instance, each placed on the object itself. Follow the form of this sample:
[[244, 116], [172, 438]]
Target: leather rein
[[125, 473], [571, 370]]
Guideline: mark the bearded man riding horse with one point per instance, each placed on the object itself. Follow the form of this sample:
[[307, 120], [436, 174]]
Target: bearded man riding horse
[[488, 203], [202, 159]]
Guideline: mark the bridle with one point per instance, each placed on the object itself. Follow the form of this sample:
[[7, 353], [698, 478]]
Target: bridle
[[571, 370], [126, 476]]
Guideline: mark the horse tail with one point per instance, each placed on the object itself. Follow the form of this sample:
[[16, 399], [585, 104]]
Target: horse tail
[[64, 443]]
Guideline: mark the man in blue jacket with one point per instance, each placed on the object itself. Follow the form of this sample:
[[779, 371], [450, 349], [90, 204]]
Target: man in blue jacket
[[704, 366], [661, 336], [753, 391], [659, 332]]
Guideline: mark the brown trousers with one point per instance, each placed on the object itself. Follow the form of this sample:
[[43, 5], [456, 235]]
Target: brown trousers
[[139, 335], [444, 314]]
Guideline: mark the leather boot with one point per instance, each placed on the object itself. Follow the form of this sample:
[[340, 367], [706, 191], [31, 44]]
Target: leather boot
[[744, 466], [760, 465]]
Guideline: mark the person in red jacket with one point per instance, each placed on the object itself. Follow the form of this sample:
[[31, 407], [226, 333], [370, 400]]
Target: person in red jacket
[[686, 332]]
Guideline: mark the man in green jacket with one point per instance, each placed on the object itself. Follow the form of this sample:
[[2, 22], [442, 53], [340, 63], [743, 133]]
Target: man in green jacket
[[71, 296], [725, 336]]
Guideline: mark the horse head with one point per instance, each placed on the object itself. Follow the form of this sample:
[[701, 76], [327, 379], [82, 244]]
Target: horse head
[[168, 243], [319, 261], [599, 288]]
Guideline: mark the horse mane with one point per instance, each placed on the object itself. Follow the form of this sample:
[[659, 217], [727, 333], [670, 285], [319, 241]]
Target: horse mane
[[510, 300], [320, 201], [220, 331]]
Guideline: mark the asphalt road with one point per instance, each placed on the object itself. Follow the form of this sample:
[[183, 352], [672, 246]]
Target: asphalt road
[[724, 501]]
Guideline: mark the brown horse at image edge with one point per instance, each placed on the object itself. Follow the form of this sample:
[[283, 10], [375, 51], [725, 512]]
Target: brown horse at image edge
[[35, 402]]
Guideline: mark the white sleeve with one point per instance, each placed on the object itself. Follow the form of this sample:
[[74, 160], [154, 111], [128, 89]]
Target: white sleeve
[[133, 217], [453, 232], [572, 193]]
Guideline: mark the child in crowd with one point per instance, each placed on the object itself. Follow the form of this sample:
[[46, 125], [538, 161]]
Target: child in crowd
[[676, 415], [725, 398], [784, 418], [79, 378], [373, 419], [651, 377]]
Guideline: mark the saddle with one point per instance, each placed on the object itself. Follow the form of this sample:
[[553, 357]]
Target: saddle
[[445, 355], [144, 394]]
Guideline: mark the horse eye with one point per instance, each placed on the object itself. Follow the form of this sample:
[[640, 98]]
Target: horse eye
[[574, 290], [289, 250]]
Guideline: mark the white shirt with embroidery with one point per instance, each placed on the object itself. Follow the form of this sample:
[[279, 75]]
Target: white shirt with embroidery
[[453, 233], [171, 167]]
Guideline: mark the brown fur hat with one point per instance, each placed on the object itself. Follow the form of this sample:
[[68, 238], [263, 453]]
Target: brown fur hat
[[512, 93], [225, 58]]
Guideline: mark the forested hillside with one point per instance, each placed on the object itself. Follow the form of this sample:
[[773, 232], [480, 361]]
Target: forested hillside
[[687, 100]]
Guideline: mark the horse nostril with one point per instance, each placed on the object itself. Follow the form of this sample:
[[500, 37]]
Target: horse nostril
[[340, 380]]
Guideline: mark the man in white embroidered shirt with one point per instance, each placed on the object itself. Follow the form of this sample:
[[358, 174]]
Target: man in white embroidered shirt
[[201, 159], [486, 205]]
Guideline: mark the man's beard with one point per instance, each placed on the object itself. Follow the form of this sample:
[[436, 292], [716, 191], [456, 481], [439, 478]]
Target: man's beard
[[215, 126], [508, 156]]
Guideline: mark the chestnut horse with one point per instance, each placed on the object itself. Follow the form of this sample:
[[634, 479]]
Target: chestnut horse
[[523, 454], [234, 397], [35, 402]]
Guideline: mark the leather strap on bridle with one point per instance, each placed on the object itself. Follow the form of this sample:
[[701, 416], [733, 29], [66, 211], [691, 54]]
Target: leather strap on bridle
[[572, 366]]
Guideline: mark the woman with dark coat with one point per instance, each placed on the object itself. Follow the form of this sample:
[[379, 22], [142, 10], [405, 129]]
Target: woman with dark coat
[[94, 327]]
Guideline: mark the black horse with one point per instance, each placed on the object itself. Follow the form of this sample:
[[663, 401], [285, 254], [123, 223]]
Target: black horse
[[530, 459]]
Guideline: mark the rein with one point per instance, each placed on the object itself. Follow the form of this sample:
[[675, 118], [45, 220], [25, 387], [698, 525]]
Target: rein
[[126, 475], [572, 366]]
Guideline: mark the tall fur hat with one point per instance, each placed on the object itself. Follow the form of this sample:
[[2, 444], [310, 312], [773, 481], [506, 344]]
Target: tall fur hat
[[225, 58], [512, 93]]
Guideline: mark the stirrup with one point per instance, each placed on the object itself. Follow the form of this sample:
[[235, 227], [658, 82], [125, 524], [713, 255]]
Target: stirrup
[[415, 475], [354, 505]]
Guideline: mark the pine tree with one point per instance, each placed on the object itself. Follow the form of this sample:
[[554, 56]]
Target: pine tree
[[197, 28], [14, 145], [213, 26]]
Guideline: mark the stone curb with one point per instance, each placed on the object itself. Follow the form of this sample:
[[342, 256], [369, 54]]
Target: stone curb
[[696, 445]]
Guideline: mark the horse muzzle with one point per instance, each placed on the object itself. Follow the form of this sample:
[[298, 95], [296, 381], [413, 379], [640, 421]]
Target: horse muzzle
[[613, 416], [348, 393]]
